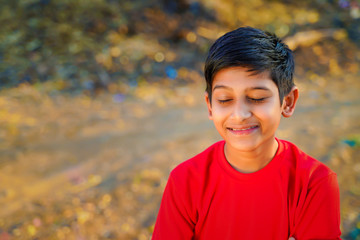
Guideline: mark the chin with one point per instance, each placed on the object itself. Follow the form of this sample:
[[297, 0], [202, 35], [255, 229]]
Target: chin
[[243, 146]]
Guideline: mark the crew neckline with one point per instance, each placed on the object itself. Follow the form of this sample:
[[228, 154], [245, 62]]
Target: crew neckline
[[225, 165]]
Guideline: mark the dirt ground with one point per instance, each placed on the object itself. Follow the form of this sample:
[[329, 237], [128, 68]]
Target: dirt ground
[[75, 167]]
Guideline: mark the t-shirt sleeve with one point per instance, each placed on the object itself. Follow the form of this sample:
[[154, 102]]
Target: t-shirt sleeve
[[319, 217], [173, 220]]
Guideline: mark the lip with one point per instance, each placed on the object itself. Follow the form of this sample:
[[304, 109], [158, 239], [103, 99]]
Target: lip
[[243, 129]]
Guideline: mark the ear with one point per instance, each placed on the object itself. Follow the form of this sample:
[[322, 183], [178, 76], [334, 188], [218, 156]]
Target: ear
[[207, 99], [289, 102]]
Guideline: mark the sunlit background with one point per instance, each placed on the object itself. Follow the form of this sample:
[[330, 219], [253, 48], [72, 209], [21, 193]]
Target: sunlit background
[[100, 99]]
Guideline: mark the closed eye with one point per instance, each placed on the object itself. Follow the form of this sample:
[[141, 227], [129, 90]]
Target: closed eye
[[256, 100], [224, 101]]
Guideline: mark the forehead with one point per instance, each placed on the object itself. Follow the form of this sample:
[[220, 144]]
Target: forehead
[[239, 77]]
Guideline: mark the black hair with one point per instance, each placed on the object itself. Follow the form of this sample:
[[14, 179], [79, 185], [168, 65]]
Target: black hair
[[255, 50]]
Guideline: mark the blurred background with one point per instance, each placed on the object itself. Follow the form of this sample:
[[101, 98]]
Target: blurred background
[[101, 99]]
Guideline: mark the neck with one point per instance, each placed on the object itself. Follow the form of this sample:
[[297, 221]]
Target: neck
[[252, 161]]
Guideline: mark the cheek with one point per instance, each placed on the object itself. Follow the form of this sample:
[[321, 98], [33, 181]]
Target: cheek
[[268, 113], [220, 112]]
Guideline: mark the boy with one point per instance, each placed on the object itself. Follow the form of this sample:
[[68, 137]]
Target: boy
[[251, 185]]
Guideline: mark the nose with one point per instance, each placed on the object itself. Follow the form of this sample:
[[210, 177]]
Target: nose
[[241, 111]]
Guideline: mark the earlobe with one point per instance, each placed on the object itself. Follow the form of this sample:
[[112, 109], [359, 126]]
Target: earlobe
[[289, 102], [208, 103]]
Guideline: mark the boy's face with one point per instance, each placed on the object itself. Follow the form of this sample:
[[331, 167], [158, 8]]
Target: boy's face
[[246, 109]]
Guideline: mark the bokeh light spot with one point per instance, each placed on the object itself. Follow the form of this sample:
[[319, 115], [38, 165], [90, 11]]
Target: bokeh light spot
[[191, 37], [159, 57]]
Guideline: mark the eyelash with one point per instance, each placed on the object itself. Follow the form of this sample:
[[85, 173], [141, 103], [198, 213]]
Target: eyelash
[[224, 101], [255, 100]]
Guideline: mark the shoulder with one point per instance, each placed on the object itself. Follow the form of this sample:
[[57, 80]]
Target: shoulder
[[304, 165], [197, 166]]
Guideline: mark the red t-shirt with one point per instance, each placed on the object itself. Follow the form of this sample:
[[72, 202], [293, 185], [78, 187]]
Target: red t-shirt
[[294, 195]]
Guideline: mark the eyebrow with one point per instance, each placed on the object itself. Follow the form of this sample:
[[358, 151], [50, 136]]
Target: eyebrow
[[221, 86], [260, 88], [229, 88]]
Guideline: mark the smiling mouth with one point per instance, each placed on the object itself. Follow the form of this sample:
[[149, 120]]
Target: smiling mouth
[[242, 129]]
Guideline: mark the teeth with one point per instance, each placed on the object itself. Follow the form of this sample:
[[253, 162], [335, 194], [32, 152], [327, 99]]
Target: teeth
[[238, 129]]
